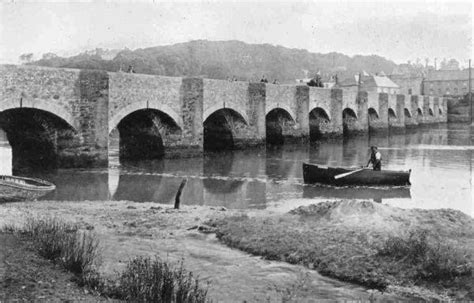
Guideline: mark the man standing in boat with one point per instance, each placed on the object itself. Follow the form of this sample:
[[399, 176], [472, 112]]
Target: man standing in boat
[[375, 158]]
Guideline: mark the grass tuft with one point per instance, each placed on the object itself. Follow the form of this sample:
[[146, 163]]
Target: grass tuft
[[147, 280], [63, 242]]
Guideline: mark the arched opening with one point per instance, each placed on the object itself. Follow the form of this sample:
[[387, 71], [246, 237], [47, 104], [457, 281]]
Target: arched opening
[[278, 123], [431, 112], [392, 117], [440, 111], [419, 117], [144, 134], [349, 120], [407, 113], [373, 115], [319, 123], [220, 129], [391, 114], [39, 139]]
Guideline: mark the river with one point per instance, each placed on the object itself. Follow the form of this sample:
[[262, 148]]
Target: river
[[440, 157]]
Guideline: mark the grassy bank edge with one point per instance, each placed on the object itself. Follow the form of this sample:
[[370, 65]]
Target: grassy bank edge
[[417, 264]]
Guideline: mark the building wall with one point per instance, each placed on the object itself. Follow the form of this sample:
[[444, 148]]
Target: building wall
[[446, 87], [409, 85]]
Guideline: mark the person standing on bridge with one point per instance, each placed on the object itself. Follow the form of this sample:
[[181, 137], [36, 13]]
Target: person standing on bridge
[[375, 158]]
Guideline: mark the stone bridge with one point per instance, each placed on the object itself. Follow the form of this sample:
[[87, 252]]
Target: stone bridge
[[70, 116]]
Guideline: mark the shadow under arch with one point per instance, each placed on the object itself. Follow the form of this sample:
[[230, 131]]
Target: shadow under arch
[[373, 115], [419, 115], [145, 133], [391, 114], [221, 129], [349, 118], [276, 122], [39, 139], [407, 113], [319, 123]]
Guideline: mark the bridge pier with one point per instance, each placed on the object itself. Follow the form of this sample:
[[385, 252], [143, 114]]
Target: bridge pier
[[411, 108], [397, 123], [254, 134], [379, 122]]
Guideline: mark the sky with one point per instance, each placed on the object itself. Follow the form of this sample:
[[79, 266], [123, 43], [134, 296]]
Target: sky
[[397, 30]]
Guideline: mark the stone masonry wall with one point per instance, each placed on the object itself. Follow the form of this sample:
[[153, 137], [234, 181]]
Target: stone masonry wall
[[330, 100], [399, 122], [380, 124], [286, 97], [78, 97]]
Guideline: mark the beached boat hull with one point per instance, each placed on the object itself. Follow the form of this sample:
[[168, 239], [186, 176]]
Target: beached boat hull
[[317, 174], [14, 188]]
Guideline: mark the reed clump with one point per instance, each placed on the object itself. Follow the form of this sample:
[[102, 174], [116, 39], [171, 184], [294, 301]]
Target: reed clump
[[75, 249]]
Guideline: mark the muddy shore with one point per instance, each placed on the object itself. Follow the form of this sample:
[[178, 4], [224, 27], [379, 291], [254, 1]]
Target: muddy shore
[[129, 229]]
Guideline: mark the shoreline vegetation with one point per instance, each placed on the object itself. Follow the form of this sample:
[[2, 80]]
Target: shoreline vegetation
[[144, 251]]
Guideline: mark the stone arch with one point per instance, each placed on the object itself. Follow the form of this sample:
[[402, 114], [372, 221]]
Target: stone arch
[[278, 124], [407, 113], [391, 114], [39, 138], [373, 114], [419, 112], [145, 133], [440, 111], [214, 108], [223, 128], [46, 106], [282, 107], [135, 106], [319, 123], [430, 112], [349, 119]]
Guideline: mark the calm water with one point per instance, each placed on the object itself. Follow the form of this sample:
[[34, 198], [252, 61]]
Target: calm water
[[440, 158]]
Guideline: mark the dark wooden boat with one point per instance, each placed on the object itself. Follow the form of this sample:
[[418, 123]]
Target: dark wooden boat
[[313, 173], [14, 188]]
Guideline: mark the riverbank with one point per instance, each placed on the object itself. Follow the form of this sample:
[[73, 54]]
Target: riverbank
[[128, 229]]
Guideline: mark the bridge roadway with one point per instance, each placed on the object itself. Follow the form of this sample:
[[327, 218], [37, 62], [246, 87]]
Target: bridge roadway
[[82, 108]]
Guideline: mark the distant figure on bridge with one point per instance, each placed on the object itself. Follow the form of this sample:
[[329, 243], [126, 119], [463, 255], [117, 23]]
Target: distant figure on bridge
[[130, 69], [264, 79], [375, 158]]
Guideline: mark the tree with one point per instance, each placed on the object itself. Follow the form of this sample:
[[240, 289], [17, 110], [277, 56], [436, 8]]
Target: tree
[[49, 56], [26, 58]]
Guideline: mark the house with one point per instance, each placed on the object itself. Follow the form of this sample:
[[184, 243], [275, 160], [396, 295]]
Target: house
[[372, 83]]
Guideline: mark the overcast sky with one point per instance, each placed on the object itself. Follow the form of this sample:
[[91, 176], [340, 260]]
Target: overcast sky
[[399, 31]]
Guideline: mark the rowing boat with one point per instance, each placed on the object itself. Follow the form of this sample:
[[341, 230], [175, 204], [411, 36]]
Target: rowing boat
[[338, 176], [14, 188]]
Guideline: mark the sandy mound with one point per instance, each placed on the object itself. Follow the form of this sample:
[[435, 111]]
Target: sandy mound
[[382, 216]]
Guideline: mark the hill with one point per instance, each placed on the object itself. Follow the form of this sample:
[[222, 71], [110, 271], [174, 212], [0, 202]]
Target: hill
[[224, 59]]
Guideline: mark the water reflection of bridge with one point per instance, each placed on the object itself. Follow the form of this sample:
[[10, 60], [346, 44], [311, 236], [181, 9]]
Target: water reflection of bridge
[[250, 178]]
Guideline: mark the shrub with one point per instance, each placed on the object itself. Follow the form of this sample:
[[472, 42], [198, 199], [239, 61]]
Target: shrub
[[147, 280], [56, 240]]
